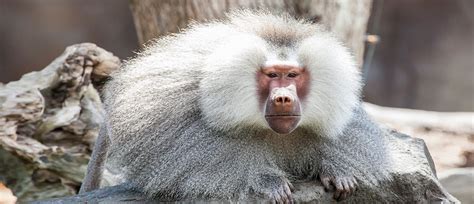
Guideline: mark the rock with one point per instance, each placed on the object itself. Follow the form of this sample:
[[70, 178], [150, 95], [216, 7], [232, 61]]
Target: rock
[[412, 180], [460, 183]]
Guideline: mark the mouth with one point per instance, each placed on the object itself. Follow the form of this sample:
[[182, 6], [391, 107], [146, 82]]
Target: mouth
[[283, 124], [281, 116]]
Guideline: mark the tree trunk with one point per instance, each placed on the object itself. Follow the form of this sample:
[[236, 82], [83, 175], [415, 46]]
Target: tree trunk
[[347, 19]]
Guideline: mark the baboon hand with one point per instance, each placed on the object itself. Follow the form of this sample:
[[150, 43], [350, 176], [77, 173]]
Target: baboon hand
[[280, 194], [343, 186], [277, 189]]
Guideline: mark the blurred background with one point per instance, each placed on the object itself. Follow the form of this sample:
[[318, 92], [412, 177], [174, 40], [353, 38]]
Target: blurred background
[[424, 59]]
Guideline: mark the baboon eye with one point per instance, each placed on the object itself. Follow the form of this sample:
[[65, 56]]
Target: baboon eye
[[292, 75], [272, 75]]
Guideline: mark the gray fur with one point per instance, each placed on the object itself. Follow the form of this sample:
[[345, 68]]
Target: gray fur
[[165, 145]]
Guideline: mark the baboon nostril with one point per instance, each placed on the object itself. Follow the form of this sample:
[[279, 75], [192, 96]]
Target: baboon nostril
[[279, 99]]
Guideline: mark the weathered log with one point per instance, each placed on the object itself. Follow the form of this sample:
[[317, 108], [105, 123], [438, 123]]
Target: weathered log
[[49, 121], [412, 180]]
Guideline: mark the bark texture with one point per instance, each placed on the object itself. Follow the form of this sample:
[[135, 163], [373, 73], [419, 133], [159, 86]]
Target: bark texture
[[347, 19]]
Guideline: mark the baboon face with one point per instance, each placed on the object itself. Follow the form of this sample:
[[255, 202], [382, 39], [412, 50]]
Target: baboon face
[[280, 89], [250, 81]]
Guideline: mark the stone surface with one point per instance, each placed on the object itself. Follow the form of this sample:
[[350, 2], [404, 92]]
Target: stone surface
[[412, 180]]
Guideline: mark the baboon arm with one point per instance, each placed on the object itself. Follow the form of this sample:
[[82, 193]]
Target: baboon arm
[[96, 163]]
